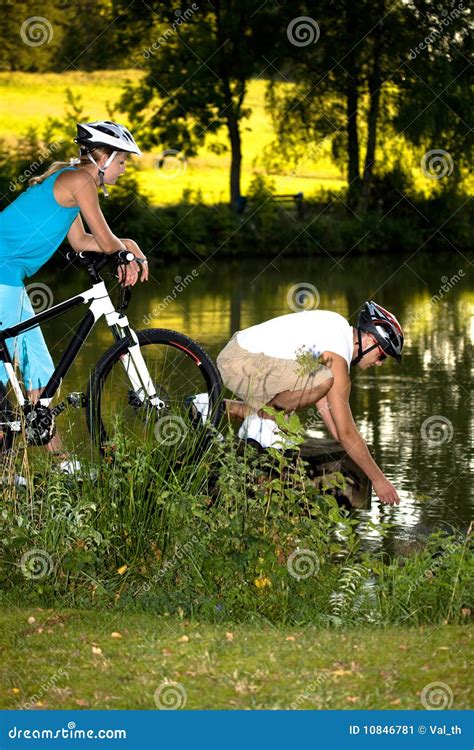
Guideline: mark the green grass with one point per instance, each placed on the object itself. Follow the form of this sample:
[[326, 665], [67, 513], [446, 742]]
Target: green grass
[[70, 660], [29, 98]]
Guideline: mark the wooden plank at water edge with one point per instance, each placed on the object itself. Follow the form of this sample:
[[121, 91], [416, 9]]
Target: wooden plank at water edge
[[327, 458]]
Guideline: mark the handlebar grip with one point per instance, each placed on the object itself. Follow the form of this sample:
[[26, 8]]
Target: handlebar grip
[[125, 256]]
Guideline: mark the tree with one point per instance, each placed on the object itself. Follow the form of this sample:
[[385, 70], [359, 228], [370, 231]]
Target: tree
[[436, 99], [197, 68], [30, 35], [358, 84], [339, 84]]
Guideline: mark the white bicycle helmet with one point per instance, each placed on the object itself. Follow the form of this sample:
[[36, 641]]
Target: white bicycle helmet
[[106, 133], [92, 135]]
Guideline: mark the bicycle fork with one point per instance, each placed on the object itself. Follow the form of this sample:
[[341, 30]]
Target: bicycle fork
[[132, 360]]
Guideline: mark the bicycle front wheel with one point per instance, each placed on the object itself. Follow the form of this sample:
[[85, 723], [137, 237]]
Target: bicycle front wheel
[[179, 370]]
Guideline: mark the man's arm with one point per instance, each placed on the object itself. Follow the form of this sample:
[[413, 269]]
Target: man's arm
[[348, 434], [324, 411]]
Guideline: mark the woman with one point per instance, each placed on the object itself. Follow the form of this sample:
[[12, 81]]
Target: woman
[[33, 226]]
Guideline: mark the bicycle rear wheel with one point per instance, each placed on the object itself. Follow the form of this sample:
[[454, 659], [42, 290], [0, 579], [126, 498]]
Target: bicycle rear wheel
[[178, 368]]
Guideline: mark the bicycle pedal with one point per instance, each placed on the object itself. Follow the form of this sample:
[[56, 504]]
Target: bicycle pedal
[[77, 400]]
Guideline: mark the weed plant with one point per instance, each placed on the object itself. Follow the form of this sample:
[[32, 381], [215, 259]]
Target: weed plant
[[216, 531]]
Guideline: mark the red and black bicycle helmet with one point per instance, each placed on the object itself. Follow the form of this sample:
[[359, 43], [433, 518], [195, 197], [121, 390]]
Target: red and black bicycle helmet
[[385, 328]]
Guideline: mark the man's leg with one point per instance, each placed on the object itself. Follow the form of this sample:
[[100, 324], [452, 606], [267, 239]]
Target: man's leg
[[237, 409], [293, 400], [285, 401]]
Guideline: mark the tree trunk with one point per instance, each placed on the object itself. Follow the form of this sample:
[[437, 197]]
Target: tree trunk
[[352, 103], [375, 84], [353, 175], [236, 159]]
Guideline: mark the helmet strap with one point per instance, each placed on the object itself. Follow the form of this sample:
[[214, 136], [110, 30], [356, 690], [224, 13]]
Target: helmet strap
[[362, 352], [102, 170]]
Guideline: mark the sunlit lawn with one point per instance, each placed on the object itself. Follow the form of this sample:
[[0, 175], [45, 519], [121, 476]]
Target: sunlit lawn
[[118, 660], [26, 99]]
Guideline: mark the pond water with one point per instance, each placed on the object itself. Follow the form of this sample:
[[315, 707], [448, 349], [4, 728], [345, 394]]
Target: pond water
[[417, 418]]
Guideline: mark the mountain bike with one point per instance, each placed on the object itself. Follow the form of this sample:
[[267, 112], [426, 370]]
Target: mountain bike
[[141, 388]]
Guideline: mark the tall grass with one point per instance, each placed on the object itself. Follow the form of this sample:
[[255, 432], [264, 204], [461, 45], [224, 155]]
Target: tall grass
[[230, 535]]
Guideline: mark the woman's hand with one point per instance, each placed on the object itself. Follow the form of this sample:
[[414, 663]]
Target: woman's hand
[[128, 275]]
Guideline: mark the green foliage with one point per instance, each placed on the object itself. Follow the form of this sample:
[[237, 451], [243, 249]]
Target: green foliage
[[233, 535], [62, 35], [185, 98], [373, 76], [127, 210]]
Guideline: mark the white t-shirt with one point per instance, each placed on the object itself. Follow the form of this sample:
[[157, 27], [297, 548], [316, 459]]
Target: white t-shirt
[[289, 335]]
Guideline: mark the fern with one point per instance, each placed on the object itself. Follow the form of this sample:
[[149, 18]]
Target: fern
[[344, 598]]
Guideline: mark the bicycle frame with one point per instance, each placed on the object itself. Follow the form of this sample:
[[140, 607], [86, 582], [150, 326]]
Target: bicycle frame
[[100, 306]]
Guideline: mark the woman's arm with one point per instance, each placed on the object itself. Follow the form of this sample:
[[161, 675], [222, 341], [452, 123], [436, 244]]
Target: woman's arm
[[102, 238], [84, 191], [79, 239]]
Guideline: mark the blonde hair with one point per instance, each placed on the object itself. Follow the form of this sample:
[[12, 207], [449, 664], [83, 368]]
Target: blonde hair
[[80, 161]]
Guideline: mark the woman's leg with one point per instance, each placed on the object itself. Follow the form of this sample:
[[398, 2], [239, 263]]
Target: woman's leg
[[35, 361]]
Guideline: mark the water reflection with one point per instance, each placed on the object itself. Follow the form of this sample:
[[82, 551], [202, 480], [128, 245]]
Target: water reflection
[[390, 404]]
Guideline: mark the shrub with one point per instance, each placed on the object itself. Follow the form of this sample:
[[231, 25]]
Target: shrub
[[233, 535]]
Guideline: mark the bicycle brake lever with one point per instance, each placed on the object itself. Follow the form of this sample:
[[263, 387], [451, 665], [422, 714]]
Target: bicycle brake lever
[[125, 295]]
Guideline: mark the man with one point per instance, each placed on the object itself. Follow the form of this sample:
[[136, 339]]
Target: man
[[304, 358]]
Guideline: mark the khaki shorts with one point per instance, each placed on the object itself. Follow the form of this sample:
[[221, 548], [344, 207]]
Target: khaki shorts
[[257, 379]]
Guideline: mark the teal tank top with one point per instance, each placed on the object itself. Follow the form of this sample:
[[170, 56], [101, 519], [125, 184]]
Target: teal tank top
[[31, 229]]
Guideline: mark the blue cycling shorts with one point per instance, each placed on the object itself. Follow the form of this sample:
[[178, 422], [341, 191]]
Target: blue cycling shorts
[[28, 350]]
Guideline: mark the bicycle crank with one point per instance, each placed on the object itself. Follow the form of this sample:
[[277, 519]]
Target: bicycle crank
[[39, 424]]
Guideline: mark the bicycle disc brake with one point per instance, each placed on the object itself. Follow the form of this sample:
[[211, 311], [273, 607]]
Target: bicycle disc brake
[[140, 402]]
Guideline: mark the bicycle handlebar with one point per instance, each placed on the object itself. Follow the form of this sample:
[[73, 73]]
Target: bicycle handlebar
[[98, 260]]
